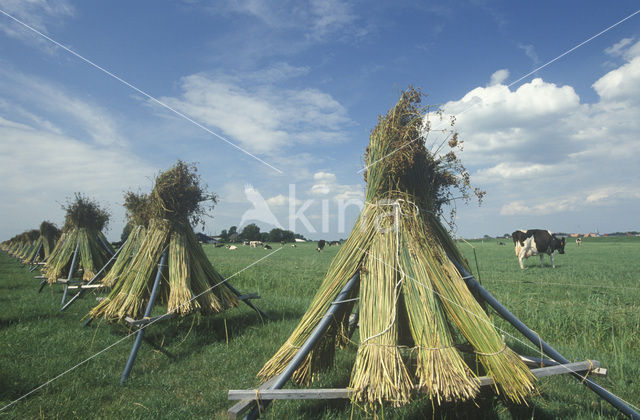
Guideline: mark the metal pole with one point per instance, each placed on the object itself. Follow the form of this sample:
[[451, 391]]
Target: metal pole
[[107, 247], [80, 291], [35, 256], [73, 267], [147, 312], [307, 346], [539, 342], [250, 304]]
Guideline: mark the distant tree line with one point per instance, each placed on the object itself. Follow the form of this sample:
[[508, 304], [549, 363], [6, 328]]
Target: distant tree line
[[251, 232]]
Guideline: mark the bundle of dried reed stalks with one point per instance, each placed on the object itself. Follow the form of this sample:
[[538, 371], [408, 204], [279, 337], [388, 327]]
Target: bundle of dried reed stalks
[[415, 309], [189, 282]]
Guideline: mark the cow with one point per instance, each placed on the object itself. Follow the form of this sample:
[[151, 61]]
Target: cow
[[578, 241], [245, 243], [232, 247], [334, 243], [293, 245], [267, 246], [282, 243], [536, 242], [255, 244], [321, 244]]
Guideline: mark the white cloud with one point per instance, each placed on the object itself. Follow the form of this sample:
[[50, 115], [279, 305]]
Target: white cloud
[[539, 150], [619, 48], [264, 118], [530, 51], [625, 48], [498, 77], [91, 119], [326, 184], [40, 169], [324, 181], [281, 200], [514, 171], [317, 20], [621, 84], [38, 14]]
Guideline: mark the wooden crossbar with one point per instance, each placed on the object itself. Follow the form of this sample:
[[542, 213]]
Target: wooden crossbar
[[147, 320], [536, 362], [87, 286], [343, 393], [245, 405]]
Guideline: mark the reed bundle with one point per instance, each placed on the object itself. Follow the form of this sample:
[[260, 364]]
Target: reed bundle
[[137, 213], [189, 281], [415, 309], [84, 221], [20, 245], [42, 247]]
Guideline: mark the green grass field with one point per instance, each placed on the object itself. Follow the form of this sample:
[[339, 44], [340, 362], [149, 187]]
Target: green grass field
[[587, 307]]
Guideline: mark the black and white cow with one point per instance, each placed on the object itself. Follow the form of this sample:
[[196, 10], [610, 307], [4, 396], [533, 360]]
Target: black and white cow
[[321, 244], [536, 242]]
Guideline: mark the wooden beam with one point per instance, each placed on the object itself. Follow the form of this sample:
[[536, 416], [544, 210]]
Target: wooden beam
[[88, 286], [147, 320], [342, 393], [245, 405], [536, 362]]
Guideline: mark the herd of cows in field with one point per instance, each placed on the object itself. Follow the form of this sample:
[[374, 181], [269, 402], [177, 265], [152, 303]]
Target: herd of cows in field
[[259, 244], [527, 243]]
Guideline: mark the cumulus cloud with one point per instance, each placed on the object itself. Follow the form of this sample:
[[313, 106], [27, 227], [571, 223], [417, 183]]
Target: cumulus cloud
[[263, 118], [282, 200], [539, 150], [498, 77], [326, 186], [621, 84]]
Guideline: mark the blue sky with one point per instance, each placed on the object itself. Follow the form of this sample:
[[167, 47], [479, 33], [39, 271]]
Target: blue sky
[[299, 85]]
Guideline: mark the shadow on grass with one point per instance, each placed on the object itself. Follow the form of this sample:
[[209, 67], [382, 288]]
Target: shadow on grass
[[486, 406], [13, 387], [205, 331]]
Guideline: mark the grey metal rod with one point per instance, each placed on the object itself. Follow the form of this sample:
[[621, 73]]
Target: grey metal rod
[[147, 312], [473, 285], [35, 256], [249, 303], [307, 346], [107, 247], [81, 291], [71, 269]]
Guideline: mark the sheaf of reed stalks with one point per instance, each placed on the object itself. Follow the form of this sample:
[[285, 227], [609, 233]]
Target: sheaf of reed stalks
[[124, 258], [407, 282], [188, 280], [84, 221]]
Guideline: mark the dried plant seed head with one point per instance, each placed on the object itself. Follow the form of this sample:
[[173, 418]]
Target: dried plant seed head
[[83, 212]]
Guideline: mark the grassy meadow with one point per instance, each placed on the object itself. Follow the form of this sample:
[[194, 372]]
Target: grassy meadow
[[587, 307]]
